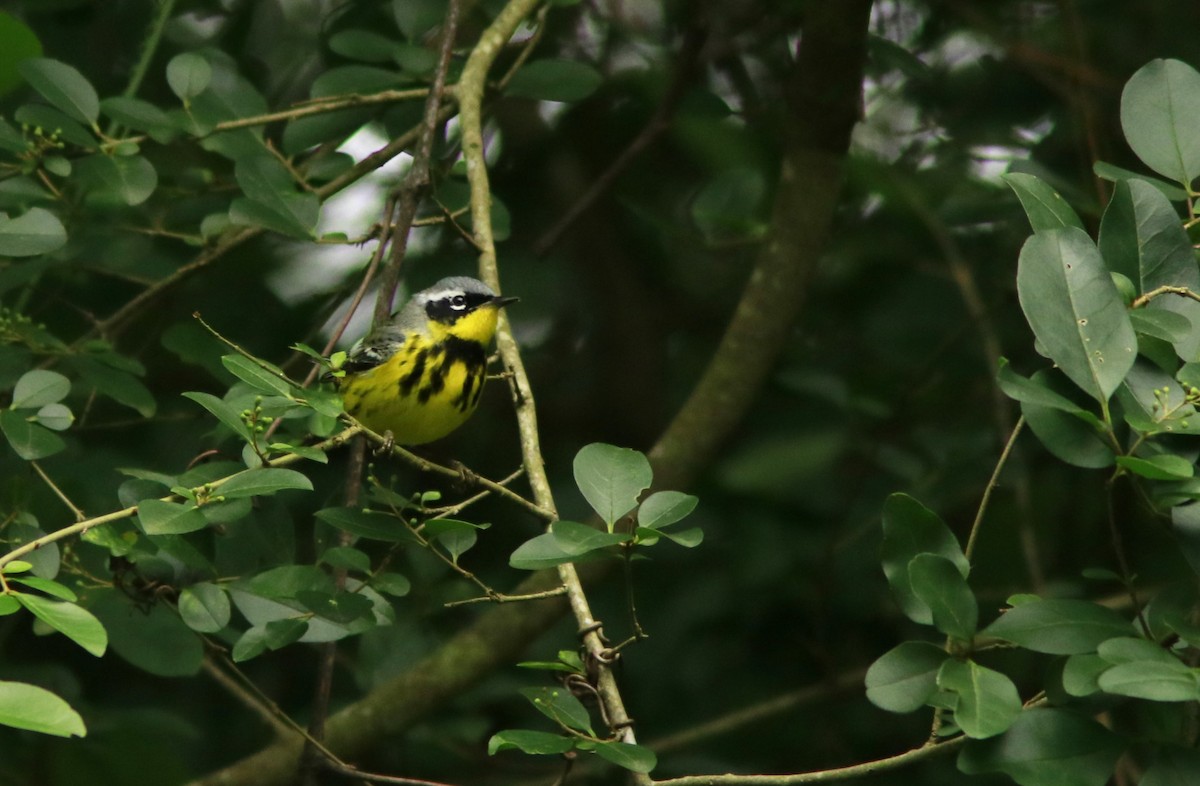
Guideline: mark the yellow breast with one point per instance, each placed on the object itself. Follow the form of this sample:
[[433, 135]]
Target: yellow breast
[[422, 392]]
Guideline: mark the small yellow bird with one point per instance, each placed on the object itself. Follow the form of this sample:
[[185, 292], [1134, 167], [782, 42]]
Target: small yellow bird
[[420, 376]]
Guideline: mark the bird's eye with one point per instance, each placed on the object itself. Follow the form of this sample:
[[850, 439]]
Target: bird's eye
[[458, 302]]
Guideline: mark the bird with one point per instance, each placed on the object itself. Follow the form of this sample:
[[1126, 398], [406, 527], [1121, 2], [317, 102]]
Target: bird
[[419, 377]]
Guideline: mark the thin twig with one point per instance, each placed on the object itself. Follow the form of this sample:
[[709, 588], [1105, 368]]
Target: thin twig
[[926, 751], [416, 181], [252, 700], [993, 481], [79, 514]]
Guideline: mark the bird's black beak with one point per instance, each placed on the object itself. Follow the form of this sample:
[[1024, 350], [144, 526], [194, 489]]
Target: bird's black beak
[[501, 302]]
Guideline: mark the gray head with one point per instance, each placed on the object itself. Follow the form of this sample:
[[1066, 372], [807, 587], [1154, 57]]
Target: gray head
[[446, 302]]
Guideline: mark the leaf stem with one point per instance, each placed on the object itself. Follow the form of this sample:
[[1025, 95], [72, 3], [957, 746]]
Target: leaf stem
[[993, 481]]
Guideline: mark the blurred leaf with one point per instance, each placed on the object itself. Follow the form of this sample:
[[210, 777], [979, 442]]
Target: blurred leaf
[[415, 18], [117, 384], [905, 677], [937, 582], [664, 508], [36, 232], [988, 702], [1160, 109], [56, 417], [1075, 311], [554, 80], [37, 709], [17, 43], [127, 179], [347, 558], [262, 482], [154, 639], [1161, 467], [611, 479], [264, 377], [140, 116], [204, 607], [533, 742], [1047, 747], [38, 387], [63, 86], [730, 206], [189, 75], [560, 706], [454, 536], [75, 622], [909, 529], [366, 45], [634, 758], [1081, 671], [391, 583], [1151, 679], [365, 523], [1045, 208], [1060, 626], [1173, 767], [158, 517], [29, 440], [223, 412], [1115, 174], [1142, 238]]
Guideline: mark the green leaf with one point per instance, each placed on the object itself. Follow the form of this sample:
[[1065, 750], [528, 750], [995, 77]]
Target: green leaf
[[1036, 391], [262, 482], [64, 87], [75, 622], [1043, 205], [280, 633], [1155, 680], [664, 508], [365, 523], [1075, 311], [188, 75], [39, 387], [533, 742], [937, 582], [155, 639], [347, 558], [366, 45], [17, 43], [1115, 174], [561, 706], [542, 551], [1164, 466], [118, 384], [37, 709], [455, 536], [631, 757], [415, 18], [29, 440], [271, 198], [1142, 238], [1081, 671], [37, 231], [223, 412], [392, 584], [56, 417], [126, 179], [261, 376], [158, 517], [611, 479], [140, 116], [1069, 436], [1160, 323], [554, 80], [904, 678], [1160, 110], [909, 529], [48, 586], [251, 644], [1047, 747], [204, 607], [579, 539], [65, 128], [1059, 627], [988, 702]]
